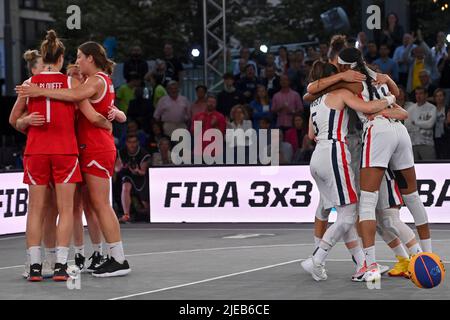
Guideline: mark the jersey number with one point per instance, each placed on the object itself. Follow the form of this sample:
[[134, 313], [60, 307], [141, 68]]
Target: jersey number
[[316, 128], [47, 107]]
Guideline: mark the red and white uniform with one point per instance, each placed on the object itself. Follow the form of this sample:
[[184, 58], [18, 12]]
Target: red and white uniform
[[96, 145], [386, 142], [51, 152], [331, 161]]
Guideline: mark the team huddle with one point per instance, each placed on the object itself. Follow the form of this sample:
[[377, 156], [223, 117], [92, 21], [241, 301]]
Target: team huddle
[[366, 175], [68, 160]]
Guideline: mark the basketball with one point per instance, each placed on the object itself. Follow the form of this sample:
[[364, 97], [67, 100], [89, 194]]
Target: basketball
[[427, 270]]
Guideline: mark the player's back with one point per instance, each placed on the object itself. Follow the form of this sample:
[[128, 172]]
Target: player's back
[[57, 135], [91, 138], [329, 124]]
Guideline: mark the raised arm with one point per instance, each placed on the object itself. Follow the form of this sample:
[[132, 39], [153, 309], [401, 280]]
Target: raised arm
[[347, 76], [77, 93], [362, 106]]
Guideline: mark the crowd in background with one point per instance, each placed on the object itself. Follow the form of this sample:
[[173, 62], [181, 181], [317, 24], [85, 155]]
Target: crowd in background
[[264, 91]]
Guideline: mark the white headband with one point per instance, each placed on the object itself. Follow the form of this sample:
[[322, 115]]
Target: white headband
[[353, 65]]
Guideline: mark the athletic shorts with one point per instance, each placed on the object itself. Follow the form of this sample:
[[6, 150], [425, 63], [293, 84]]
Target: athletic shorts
[[386, 144], [331, 169], [45, 169], [99, 164], [139, 185], [389, 195]]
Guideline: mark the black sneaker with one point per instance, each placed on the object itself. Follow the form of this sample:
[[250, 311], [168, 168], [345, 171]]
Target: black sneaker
[[97, 261], [60, 272], [112, 269], [79, 261], [35, 274]]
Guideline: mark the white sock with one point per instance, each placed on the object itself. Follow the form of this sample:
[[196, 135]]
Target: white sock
[[415, 249], [79, 250], [97, 247], [400, 251], [426, 245], [116, 251], [370, 255], [50, 255], [316, 241], [35, 255], [358, 254], [321, 252], [61, 255]]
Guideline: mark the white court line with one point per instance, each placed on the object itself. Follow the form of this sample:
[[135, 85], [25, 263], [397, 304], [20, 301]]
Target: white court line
[[207, 280]]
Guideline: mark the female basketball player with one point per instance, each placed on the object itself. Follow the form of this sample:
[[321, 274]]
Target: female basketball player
[[330, 164], [386, 144], [97, 148]]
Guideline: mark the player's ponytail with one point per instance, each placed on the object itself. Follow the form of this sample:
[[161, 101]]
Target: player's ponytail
[[98, 53], [353, 57], [52, 48], [31, 57]]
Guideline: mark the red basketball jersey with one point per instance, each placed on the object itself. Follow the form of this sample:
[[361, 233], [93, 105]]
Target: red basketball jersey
[[92, 139], [57, 135]]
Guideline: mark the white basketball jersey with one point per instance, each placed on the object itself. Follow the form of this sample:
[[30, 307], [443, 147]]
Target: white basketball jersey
[[329, 124], [379, 92]]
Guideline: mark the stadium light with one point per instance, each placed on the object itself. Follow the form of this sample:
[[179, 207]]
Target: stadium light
[[264, 49], [448, 38], [195, 53]]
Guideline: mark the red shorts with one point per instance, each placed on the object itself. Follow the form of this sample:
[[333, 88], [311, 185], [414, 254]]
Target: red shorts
[[43, 169], [99, 164]]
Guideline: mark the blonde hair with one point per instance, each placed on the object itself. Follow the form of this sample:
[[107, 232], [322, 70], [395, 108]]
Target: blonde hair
[[31, 57]]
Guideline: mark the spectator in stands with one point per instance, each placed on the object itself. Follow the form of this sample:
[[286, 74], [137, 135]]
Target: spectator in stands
[[372, 52], [425, 82], [261, 106], [257, 55], [282, 60], [286, 151], [229, 96], [297, 72], [271, 81], [132, 165], [285, 104], [210, 119], [420, 60], [240, 120], [126, 93], [174, 67], [323, 47], [240, 67], [156, 80], [402, 59], [140, 108], [135, 65], [296, 136], [312, 53], [164, 156], [265, 124], [133, 129], [439, 51], [420, 124], [362, 43], [386, 64], [441, 129], [402, 99], [444, 83], [173, 110], [270, 61], [155, 136], [393, 32], [247, 85], [200, 104]]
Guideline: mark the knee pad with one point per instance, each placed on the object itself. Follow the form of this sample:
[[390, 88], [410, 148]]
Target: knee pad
[[367, 206], [416, 207], [346, 219]]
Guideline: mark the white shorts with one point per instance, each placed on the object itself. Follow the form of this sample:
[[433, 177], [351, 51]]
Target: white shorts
[[331, 169], [389, 195], [386, 144]]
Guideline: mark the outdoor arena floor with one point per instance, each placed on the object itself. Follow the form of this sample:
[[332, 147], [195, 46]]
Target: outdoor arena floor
[[220, 262]]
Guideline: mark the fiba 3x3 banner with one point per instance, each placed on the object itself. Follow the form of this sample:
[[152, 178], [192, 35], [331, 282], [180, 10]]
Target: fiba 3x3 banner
[[233, 194], [266, 194]]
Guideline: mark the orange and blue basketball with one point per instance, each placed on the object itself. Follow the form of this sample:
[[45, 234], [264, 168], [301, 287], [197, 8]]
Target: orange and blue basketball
[[426, 270]]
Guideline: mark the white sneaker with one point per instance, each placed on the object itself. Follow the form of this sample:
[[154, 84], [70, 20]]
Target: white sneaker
[[373, 273], [317, 271], [48, 269], [26, 270], [383, 269]]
